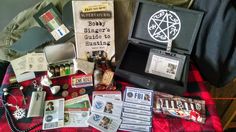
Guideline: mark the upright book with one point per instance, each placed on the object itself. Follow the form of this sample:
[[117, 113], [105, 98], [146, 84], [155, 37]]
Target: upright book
[[94, 29]]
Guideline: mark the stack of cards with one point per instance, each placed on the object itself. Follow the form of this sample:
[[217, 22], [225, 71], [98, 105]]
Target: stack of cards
[[137, 110], [106, 114]]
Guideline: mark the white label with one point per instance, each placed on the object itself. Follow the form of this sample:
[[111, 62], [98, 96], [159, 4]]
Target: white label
[[60, 32]]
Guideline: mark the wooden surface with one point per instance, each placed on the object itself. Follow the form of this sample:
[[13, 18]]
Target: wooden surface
[[229, 115], [225, 99]]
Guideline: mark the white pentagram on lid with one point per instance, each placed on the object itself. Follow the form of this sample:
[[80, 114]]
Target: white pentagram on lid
[[164, 25]]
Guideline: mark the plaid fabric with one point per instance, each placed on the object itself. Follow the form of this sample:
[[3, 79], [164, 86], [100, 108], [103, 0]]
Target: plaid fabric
[[196, 89]]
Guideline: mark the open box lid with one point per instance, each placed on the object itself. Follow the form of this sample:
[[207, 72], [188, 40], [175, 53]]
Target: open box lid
[[60, 52], [154, 24]]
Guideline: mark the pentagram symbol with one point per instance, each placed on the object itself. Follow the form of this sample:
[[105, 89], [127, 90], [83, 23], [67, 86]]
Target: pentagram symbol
[[164, 25]]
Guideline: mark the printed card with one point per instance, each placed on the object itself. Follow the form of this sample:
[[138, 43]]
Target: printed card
[[108, 94], [76, 118], [137, 106], [137, 116], [129, 127], [30, 62], [138, 96], [77, 111], [107, 106], [104, 123], [135, 122], [137, 111], [53, 114], [163, 66], [166, 65]]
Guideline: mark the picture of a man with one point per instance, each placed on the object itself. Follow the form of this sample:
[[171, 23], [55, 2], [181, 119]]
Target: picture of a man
[[105, 122], [108, 107], [171, 68], [66, 117], [50, 106], [147, 97]]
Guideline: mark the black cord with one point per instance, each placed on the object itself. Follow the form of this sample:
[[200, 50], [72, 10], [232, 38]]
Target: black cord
[[9, 117]]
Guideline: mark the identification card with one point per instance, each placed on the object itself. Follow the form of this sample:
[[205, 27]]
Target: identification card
[[78, 103], [135, 122], [165, 65], [104, 123], [53, 114], [137, 116], [77, 111], [137, 111], [137, 106], [108, 94], [132, 128], [107, 106], [138, 96], [76, 118]]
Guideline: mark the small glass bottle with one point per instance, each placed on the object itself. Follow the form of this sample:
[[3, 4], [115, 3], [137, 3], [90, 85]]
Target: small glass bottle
[[62, 70], [72, 68], [57, 71], [52, 70], [67, 69]]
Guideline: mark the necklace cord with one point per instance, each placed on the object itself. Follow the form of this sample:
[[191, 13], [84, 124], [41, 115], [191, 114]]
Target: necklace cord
[[9, 117]]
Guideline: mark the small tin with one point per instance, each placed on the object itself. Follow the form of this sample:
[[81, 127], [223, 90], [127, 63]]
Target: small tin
[[61, 57]]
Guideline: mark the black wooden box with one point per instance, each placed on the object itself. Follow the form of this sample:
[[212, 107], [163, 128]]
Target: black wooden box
[[142, 37]]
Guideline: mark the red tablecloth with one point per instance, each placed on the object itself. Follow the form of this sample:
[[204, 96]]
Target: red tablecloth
[[196, 88]]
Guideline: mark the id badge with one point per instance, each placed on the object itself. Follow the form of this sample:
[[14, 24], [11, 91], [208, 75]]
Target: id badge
[[166, 65]]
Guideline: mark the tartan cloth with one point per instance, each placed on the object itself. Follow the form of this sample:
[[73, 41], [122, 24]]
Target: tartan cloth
[[196, 89]]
